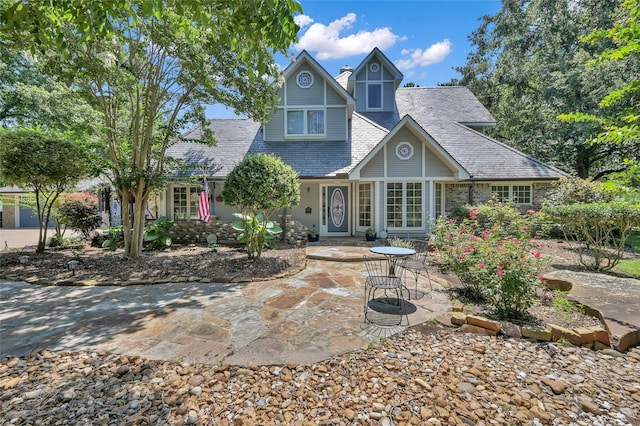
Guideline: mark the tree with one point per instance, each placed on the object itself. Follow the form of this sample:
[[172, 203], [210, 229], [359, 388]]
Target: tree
[[258, 186], [529, 66], [150, 67], [45, 162], [32, 99], [79, 211], [619, 113]]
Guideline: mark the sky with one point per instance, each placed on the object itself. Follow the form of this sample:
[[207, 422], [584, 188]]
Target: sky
[[425, 39]]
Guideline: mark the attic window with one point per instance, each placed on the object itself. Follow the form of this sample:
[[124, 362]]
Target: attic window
[[304, 79], [374, 67], [374, 96]]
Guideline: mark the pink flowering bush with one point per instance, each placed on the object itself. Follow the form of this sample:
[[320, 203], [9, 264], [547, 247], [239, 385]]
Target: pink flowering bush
[[498, 260]]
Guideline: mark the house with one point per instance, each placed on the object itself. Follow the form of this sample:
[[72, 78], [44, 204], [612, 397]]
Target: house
[[369, 153]]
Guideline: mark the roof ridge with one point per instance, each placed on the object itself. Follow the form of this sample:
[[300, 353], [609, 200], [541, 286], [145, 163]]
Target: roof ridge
[[504, 145], [432, 87]]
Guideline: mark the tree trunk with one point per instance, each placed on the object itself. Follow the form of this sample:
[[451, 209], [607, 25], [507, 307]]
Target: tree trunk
[[42, 235], [133, 224], [125, 200]]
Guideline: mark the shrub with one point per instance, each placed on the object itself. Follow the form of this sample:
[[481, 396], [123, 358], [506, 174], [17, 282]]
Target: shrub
[[579, 191], [157, 235], [258, 186], [79, 211], [600, 230], [495, 265], [115, 239], [256, 232]]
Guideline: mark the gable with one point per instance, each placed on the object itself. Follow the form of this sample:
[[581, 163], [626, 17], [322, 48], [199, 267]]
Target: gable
[[313, 106], [425, 157]]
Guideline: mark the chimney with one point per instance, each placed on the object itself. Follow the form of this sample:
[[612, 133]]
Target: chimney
[[346, 68]]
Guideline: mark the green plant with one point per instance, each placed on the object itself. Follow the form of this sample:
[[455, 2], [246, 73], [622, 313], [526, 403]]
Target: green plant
[[115, 238], [79, 211], [631, 267], [257, 232], [495, 266], [157, 235], [400, 242], [370, 232], [313, 231], [258, 186], [564, 306], [599, 230]]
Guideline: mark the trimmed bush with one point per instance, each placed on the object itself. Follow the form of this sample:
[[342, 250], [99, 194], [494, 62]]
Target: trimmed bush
[[600, 230]]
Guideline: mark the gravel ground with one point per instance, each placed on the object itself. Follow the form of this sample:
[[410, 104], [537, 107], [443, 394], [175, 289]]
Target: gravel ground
[[426, 375]]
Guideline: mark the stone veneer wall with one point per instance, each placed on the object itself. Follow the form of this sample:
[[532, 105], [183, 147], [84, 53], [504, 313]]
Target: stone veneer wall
[[9, 213], [196, 231], [458, 194]]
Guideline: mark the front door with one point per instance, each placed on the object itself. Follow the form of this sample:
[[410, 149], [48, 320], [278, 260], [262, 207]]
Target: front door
[[336, 210]]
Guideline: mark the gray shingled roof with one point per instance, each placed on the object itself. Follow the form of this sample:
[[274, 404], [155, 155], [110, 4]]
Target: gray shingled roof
[[485, 158], [438, 110], [233, 137], [443, 103]]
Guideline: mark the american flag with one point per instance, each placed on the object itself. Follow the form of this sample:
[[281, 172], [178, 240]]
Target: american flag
[[203, 204]]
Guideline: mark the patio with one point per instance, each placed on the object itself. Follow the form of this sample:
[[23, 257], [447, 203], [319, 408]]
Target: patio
[[308, 317]]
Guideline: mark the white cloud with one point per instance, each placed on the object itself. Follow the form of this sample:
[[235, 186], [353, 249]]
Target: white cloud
[[418, 57], [303, 20], [327, 43]]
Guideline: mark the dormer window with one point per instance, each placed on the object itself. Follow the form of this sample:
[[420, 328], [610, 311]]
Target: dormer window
[[374, 67], [374, 96], [305, 122]]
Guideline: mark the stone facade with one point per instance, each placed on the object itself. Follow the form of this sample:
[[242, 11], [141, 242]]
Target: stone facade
[[196, 231], [9, 213], [457, 194]]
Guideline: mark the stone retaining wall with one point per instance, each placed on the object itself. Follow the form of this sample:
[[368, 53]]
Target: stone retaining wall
[[594, 337], [196, 231]]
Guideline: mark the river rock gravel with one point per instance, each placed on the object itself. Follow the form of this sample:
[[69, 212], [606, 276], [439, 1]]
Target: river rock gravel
[[424, 376]]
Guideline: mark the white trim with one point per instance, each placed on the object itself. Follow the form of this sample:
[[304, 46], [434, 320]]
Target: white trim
[[357, 226], [374, 64], [305, 135], [411, 152], [404, 227], [310, 74], [510, 185], [375, 83]]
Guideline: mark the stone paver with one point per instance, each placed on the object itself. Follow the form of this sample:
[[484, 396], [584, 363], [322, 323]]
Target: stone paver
[[308, 317], [618, 299]]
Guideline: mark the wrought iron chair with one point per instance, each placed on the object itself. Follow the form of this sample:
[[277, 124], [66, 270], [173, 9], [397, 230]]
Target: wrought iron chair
[[387, 275], [417, 264]]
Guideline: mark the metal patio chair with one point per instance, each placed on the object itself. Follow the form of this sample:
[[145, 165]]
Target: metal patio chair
[[417, 264], [386, 275]]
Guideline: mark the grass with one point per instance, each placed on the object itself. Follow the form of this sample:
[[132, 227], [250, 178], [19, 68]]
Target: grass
[[631, 267]]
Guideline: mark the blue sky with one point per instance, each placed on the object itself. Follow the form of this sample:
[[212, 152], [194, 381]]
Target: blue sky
[[425, 39]]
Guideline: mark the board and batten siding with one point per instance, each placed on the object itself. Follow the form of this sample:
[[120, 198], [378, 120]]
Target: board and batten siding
[[274, 128], [375, 167], [404, 168], [297, 96], [333, 97], [336, 124]]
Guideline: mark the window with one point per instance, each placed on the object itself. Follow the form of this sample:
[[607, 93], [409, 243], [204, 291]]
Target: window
[[404, 205], [364, 205], [438, 199], [374, 96], [305, 122], [185, 202], [519, 194], [304, 80]]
